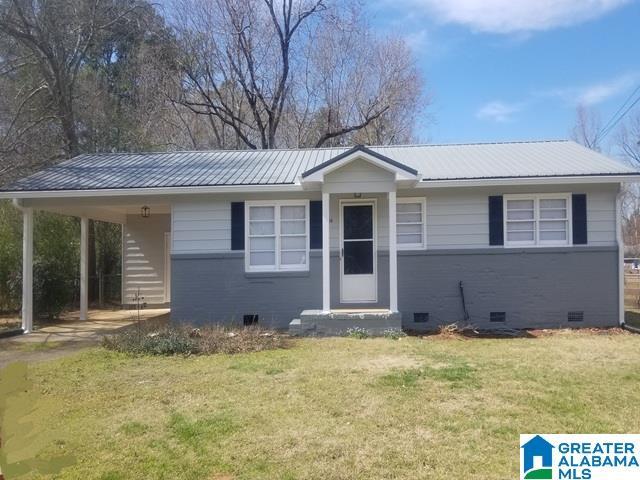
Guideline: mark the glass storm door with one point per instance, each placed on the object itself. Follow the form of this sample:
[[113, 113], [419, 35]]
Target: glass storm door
[[358, 253]]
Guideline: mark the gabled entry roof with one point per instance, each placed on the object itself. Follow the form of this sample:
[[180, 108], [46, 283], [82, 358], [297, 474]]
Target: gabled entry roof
[[432, 163], [352, 153]]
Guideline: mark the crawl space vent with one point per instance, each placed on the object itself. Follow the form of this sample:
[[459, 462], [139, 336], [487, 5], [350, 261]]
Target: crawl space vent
[[575, 316], [497, 316], [421, 317], [250, 319]]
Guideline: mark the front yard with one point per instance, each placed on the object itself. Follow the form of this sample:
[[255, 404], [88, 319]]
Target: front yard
[[326, 408]]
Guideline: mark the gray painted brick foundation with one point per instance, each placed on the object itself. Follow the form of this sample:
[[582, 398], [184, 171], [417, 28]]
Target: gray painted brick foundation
[[534, 287]]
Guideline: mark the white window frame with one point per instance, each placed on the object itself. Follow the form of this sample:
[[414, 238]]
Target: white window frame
[[276, 204], [536, 197], [423, 203]]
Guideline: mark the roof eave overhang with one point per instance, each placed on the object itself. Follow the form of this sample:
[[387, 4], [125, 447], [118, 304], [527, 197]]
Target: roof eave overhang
[[547, 180], [134, 192], [296, 187]]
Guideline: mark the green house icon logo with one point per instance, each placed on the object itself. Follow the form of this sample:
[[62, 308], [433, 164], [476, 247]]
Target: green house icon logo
[[537, 460]]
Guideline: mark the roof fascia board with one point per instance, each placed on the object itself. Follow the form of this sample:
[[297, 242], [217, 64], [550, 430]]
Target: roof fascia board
[[490, 182], [126, 192]]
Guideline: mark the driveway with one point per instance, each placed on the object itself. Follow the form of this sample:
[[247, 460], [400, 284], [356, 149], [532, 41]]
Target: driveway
[[70, 335]]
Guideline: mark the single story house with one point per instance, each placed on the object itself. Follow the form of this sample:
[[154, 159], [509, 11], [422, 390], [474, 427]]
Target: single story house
[[521, 234]]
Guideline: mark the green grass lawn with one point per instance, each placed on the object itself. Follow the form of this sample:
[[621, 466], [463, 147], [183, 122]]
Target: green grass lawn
[[326, 408]]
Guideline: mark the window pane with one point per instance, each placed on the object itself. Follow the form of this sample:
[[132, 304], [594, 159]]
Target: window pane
[[553, 203], [519, 204], [559, 236], [261, 213], [560, 213], [520, 236], [358, 221], [293, 258], [295, 212], [262, 258], [410, 239], [519, 214], [409, 217], [358, 257], [261, 228], [293, 243], [262, 243], [416, 229], [550, 225], [519, 226], [409, 207], [291, 226]]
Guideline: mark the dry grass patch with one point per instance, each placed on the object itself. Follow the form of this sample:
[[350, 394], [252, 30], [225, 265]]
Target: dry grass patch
[[157, 339]]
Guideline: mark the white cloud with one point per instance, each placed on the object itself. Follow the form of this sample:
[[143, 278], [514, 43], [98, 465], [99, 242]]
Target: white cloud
[[498, 111], [514, 16]]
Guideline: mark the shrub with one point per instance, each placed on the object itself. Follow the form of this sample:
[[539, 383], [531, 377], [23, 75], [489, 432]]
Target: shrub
[[358, 332], [149, 339], [393, 334]]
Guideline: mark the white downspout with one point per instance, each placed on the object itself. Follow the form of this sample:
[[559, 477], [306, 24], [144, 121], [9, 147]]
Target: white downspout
[[620, 242]]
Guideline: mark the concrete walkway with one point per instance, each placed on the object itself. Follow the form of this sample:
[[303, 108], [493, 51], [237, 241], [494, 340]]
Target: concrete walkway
[[70, 334]]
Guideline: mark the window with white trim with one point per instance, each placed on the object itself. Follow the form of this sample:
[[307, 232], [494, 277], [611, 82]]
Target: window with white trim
[[410, 223], [277, 236], [537, 219]]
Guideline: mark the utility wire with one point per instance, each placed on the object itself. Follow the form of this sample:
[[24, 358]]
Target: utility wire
[[622, 115], [617, 116]]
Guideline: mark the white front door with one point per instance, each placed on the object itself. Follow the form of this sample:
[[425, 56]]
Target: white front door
[[358, 256]]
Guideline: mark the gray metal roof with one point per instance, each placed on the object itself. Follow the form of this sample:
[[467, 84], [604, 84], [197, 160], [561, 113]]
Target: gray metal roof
[[280, 167]]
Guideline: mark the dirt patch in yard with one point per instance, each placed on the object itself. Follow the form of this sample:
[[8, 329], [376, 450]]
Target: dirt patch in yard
[[579, 331]]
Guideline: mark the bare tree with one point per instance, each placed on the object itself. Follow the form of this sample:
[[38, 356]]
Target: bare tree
[[587, 128], [292, 73], [628, 138], [52, 39]]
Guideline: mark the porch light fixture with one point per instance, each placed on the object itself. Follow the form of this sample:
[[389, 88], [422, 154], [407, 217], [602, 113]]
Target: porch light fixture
[[357, 195], [145, 212]]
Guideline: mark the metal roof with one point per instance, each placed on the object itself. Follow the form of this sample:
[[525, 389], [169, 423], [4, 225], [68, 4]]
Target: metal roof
[[282, 167]]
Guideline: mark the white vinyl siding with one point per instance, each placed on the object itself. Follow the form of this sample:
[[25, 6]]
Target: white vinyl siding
[[410, 223], [277, 236], [458, 218], [144, 258], [201, 227], [537, 220]]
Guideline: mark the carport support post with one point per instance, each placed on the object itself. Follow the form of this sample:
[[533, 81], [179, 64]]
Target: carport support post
[[84, 267], [27, 270]]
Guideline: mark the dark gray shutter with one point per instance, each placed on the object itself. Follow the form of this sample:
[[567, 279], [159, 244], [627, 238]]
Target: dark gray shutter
[[237, 225], [579, 214], [315, 224], [496, 227]]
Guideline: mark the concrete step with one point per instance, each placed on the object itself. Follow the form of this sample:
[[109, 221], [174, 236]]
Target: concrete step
[[338, 322]]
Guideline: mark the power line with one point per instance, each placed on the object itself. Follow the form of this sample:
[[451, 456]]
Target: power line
[[617, 116]]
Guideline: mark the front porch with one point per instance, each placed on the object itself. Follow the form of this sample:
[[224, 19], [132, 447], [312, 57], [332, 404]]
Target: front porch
[[359, 210]]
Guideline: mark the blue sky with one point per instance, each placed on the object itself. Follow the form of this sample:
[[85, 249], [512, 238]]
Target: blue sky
[[500, 70]]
